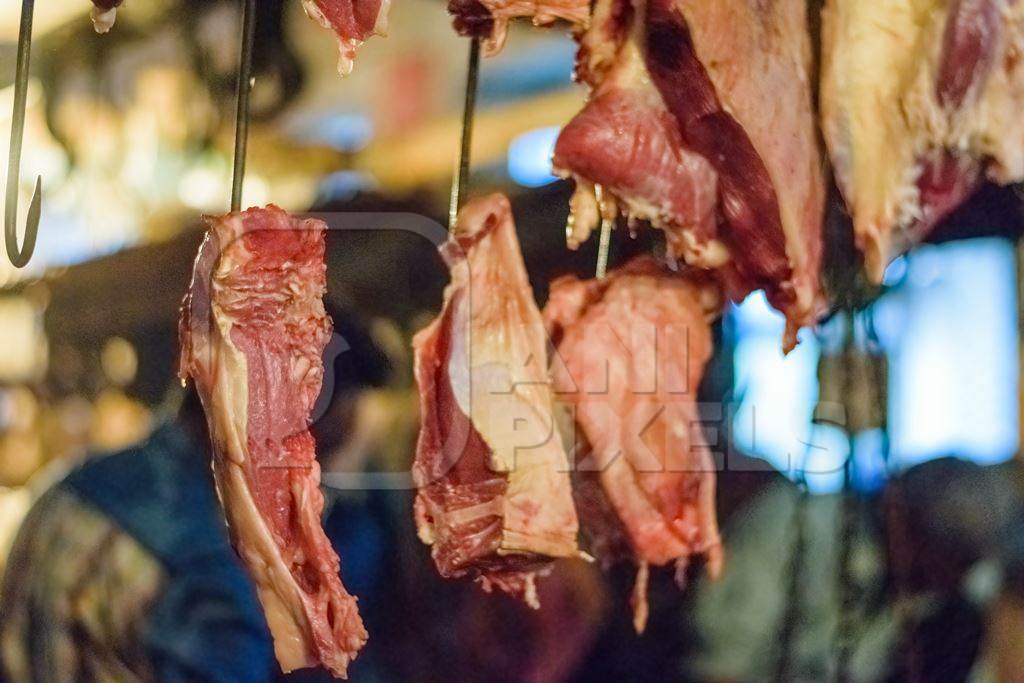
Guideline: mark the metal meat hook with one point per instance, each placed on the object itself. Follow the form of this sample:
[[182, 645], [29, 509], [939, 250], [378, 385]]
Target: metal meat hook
[[20, 256], [242, 111], [461, 178]]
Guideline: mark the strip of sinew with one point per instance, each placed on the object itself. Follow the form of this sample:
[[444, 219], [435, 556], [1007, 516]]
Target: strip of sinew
[[253, 329], [494, 493]]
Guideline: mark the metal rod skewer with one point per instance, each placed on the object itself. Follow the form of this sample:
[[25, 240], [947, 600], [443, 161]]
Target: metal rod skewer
[[461, 177], [242, 111], [20, 256]]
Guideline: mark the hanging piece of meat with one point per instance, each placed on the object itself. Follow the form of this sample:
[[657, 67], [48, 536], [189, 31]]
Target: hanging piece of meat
[[630, 354], [489, 19], [353, 22], [494, 497], [920, 102], [701, 122], [252, 332], [104, 12]]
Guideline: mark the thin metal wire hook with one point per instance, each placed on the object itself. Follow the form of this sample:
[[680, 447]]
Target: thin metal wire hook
[[461, 178], [245, 84], [20, 256]]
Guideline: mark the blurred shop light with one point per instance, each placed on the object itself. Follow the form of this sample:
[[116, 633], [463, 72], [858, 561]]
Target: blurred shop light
[[342, 186], [255, 190], [22, 340], [119, 361], [203, 187], [895, 272], [948, 327], [529, 157], [344, 131], [776, 394], [950, 331]]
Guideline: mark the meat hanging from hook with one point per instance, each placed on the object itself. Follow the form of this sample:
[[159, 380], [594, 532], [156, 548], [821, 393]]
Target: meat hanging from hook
[[20, 256], [242, 111]]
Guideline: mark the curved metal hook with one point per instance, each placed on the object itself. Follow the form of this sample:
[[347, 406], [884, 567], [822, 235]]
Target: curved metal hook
[[20, 256]]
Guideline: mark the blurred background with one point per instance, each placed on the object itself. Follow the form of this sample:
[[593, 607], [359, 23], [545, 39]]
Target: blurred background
[[132, 134]]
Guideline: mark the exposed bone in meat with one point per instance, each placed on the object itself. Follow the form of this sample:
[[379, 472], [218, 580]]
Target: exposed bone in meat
[[920, 103], [252, 333], [353, 22], [104, 12], [701, 122], [630, 353], [489, 19], [494, 493]]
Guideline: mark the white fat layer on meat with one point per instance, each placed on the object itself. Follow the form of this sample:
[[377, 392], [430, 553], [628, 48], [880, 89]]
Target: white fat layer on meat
[[103, 20], [280, 595], [882, 117]]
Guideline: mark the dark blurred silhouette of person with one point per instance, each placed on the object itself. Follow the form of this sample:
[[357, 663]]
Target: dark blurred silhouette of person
[[936, 567], [123, 570]]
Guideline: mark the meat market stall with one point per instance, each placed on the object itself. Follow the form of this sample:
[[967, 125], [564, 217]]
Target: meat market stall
[[577, 390]]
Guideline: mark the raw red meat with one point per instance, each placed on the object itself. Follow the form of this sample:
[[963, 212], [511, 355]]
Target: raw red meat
[[630, 354], [353, 21], [494, 494], [252, 332], [104, 12], [489, 19], [701, 122], [920, 104]]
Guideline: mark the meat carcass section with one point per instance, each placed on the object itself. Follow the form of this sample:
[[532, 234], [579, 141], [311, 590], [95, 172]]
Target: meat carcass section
[[494, 496], [630, 354], [489, 19], [920, 102], [701, 122], [252, 332], [352, 21]]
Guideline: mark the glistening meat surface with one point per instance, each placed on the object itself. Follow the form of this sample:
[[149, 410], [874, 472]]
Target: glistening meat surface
[[630, 354], [738, 184], [494, 497], [352, 21], [252, 332], [920, 104]]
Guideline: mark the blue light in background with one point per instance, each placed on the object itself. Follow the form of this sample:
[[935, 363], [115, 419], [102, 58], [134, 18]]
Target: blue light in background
[[949, 329], [776, 393], [343, 186], [345, 131], [529, 157], [951, 335]]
